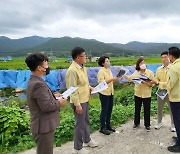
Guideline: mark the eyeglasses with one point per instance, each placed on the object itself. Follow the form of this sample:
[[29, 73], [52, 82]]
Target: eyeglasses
[[44, 67], [82, 56]]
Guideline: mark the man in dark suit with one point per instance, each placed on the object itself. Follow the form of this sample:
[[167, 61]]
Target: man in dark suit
[[43, 106]]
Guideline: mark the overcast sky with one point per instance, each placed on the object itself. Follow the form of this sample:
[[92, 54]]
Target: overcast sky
[[118, 21]]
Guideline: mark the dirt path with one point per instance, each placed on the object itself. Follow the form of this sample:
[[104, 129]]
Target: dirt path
[[127, 141]]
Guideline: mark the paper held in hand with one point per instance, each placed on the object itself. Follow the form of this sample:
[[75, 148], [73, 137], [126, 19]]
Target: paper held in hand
[[141, 78], [162, 93], [100, 87], [68, 92], [137, 80], [122, 72], [144, 78]]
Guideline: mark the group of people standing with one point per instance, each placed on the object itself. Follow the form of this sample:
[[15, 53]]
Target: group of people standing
[[167, 78], [44, 107]]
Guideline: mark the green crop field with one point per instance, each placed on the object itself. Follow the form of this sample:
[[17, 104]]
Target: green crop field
[[60, 63]]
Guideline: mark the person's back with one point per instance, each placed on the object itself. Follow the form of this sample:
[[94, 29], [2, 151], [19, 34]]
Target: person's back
[[173, 87], [174, 75], [41, 115]]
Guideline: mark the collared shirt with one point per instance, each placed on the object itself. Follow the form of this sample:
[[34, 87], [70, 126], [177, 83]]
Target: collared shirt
[[76, 76], [106, 74], [173, 81], [161, 74], [165, 67], [142, 90]]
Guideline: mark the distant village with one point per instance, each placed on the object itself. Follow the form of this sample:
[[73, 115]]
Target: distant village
[[6, 58], [50, 54]]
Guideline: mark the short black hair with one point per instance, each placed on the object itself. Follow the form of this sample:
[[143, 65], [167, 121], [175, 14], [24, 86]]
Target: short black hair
[[101, 60], [34, 60], [175, 52], [76, 52], [165, 53], [138, 62]]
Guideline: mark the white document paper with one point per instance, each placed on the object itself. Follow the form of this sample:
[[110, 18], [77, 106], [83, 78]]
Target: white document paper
[[122, 72], [144, 77], [162, 93], [137, 81], [68, 92], [100, 87]]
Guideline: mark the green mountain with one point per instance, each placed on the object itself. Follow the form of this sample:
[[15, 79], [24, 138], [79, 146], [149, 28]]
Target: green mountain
[[146, 48], [63, 46], [8, 45]]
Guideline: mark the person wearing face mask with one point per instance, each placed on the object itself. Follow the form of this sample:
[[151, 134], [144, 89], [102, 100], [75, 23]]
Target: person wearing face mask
[[161, 76], [106, 96], [142, 94], [44, 107], [173, 86]]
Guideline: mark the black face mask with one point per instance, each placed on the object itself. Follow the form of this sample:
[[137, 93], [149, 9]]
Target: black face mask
[[47, 70]]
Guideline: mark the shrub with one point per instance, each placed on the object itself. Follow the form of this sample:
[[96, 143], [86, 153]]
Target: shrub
[[124, 96], [14, 129], [15, 134]]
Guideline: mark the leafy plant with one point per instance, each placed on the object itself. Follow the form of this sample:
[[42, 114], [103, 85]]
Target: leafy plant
[[15, 134], [14, 128], [124, 96]]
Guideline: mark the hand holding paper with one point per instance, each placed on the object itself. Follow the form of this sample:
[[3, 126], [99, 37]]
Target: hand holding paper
[[68, 92], [100, 87], [137, 80], [162, 93], [144, 78], [62, 101], [122, 72], [141, 79]]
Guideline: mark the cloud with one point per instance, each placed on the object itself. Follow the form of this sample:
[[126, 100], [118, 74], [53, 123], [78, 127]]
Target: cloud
[[105, 20]]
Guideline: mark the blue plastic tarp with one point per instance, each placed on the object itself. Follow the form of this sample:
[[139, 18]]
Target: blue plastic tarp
[[2, 79], [52, 80], [56, 78], [22, 79]]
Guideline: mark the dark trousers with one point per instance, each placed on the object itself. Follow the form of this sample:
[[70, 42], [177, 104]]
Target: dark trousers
[[44, 142], [147, 107], [81, 130], [106, 110], [175, 108]]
